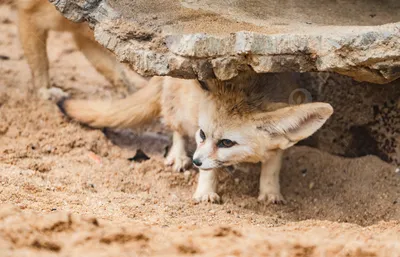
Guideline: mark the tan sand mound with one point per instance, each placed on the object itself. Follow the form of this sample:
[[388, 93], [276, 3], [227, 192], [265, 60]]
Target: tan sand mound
[[25, 233]]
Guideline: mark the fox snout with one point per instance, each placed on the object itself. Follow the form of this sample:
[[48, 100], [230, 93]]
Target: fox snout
[[202, 159], [197, 162], [202, 162]]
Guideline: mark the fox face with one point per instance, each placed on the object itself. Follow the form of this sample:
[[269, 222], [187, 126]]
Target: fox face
[[222, 149], [224, 140]]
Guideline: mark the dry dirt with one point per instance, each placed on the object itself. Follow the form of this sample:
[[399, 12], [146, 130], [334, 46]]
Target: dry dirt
[[71, 191]]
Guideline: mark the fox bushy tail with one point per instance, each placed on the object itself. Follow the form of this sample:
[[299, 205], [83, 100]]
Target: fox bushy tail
[[135, 110]]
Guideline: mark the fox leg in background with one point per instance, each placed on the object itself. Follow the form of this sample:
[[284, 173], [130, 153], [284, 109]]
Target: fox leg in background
[[105, 62], [33, 30], [177, 156], [269, 179], [206, 190], [33, 40]]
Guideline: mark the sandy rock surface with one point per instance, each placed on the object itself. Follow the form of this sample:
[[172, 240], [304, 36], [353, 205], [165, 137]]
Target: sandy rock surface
[[207, 38]]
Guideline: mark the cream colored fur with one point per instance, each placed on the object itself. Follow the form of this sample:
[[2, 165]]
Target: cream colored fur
[[36, 19], [244, 115]]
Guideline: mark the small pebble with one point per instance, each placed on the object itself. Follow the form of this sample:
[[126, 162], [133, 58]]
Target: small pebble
[[174, 197], [48, 149], [187, 174], [311, 185], [237, 180]]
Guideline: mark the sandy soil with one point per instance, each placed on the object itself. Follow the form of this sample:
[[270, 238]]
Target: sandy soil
[[264, 16], [71, 191]]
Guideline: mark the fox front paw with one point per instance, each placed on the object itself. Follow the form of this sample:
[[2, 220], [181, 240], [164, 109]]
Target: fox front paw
[[207, 197], [178, 163], [53, 93], [274, 198]]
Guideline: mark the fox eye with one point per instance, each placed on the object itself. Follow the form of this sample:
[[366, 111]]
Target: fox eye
[[202, 135], [225, 143]]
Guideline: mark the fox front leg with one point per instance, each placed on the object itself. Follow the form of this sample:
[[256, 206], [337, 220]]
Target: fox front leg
[[177, 156], [206, 190], [269, 179]]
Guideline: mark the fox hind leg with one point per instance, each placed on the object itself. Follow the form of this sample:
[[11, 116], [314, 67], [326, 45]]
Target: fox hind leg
[[269, 180], [177, 156], [103, 61], [33, 40]]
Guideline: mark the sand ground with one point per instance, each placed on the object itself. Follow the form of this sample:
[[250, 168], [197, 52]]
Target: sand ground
[[67, 190]]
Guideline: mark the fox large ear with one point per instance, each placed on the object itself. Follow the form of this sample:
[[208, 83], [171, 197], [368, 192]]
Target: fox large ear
[[289, 125]]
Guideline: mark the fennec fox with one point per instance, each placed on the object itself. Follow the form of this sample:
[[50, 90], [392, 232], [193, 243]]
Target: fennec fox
[[231, 124], [36, 19]]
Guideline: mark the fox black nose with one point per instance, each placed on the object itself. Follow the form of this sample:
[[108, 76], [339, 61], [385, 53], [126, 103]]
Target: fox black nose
[[197, 162]]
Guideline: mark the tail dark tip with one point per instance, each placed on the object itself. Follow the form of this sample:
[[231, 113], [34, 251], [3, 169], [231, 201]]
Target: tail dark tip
[[61, 105]]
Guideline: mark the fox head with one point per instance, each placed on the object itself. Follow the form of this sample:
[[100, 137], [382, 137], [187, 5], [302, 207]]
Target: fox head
[[226, 137]]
